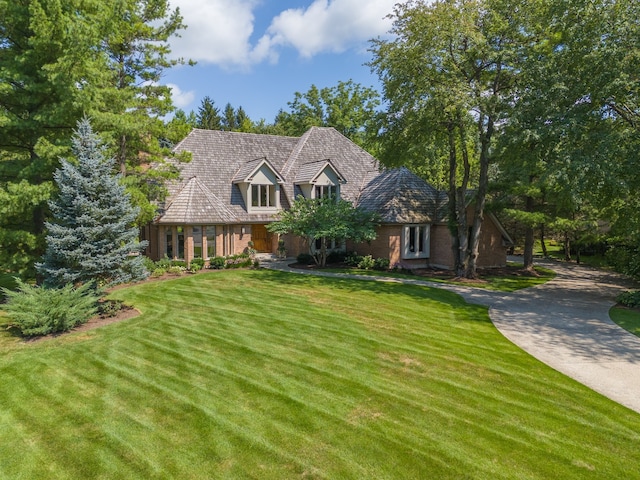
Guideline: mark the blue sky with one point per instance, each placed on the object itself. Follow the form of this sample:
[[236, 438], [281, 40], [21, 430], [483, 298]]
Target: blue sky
[[258, 53]]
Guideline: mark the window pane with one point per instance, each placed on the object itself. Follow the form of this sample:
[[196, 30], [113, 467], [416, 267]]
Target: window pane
[[180, 242], [271, 196], [421, 231], [197, 242], [263, 195], [255, 195], [412, 239], [211, 241], [169, 250]]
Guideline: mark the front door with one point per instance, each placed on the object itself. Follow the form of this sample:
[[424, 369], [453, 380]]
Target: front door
[[261, 238]]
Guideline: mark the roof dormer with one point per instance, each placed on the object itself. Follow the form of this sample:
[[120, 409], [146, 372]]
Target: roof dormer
[[259, 183], [319, 179]]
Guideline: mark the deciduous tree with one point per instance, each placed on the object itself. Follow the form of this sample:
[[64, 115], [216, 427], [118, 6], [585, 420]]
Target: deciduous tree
[[327, 220]]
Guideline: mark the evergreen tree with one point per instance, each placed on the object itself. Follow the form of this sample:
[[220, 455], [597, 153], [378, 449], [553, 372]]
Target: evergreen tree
[[93, 237], [208, 116]]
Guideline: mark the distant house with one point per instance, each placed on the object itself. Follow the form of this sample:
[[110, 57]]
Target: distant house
[[237, 182]]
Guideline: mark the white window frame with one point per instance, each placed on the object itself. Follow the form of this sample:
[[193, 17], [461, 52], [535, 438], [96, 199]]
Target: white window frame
[[413, 236], [323, 191], [270, 195]]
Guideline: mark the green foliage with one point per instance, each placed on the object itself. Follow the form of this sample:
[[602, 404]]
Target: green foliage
[[242, 260], [176, 270], [629, 299], [353, 259], [326, 219], [304, 259], [336, 256], [208, 117], [109, 308], [164, 262], [158, 272], [366, 262], [217, 263], [196, 264], [348, 107], [381, 264], [624, 259], [39, 310], [93, 237]]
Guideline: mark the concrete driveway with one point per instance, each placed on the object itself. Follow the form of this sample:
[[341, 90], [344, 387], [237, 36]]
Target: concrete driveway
[[563, 323]]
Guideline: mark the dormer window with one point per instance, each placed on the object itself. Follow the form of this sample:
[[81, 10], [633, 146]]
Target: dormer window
[[319, 180], [263, 195], [259, 182], [326, 191]]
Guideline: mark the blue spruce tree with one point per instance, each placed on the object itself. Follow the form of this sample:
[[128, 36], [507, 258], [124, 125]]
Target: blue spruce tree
[[93, 236]]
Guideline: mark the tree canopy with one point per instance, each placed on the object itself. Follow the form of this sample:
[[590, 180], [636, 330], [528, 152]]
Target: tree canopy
[[327, 220]]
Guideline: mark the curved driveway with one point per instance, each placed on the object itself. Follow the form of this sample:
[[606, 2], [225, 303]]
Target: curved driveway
[[563, 323]]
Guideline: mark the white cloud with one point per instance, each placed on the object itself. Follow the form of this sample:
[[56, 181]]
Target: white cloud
[[180, 99], [329, 26], [219, 31]]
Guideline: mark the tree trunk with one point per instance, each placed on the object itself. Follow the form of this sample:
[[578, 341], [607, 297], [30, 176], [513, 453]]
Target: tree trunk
[[529, 237], [542, 241], [122, 155], [567, 247], [481, 196]]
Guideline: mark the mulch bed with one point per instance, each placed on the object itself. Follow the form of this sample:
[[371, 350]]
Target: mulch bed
[[441, 274]]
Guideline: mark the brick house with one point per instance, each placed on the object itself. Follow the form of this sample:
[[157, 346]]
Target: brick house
[[236, 182]]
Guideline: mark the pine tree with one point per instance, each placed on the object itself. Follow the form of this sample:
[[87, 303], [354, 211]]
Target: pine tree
[[92, 237], [208, 116]]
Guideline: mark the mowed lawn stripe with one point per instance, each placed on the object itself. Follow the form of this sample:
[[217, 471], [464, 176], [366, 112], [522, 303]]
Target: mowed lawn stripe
[[259, 374]]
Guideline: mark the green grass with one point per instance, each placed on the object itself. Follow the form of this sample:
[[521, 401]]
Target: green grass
[[270, 375], [503, 283], [627, 318]]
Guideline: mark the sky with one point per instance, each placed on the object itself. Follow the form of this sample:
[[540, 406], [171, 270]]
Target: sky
[[258, 53]]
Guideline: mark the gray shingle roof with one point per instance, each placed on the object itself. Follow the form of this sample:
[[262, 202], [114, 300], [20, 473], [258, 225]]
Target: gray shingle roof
[[193, 204], [400, 196], [207, 193], [248, 169], [308, 172]]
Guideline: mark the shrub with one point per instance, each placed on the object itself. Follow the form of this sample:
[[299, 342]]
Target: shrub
[[158, 272], [196, 265], [256, 263], [366, 263], [336, 256], [176, 270], [381, 264], [179, 263], [109, 308], [149, 264], [241, 260], [217, 263], [304, 259], [353, 259], [629, 298], [163, 263], [40, 311]]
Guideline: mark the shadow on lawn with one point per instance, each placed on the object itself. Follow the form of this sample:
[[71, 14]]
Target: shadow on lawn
[[384, 286]]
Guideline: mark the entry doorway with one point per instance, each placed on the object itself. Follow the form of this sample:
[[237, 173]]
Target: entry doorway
[[261, 238]]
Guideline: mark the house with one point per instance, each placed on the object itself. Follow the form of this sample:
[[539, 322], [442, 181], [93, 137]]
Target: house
[[237, 182]]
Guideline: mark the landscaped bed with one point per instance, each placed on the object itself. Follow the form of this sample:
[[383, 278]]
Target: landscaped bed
[[507, 279], [264, 374]]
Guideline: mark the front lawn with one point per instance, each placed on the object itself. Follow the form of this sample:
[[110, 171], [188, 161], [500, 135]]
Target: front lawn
[[627, 318], [272, 375]]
